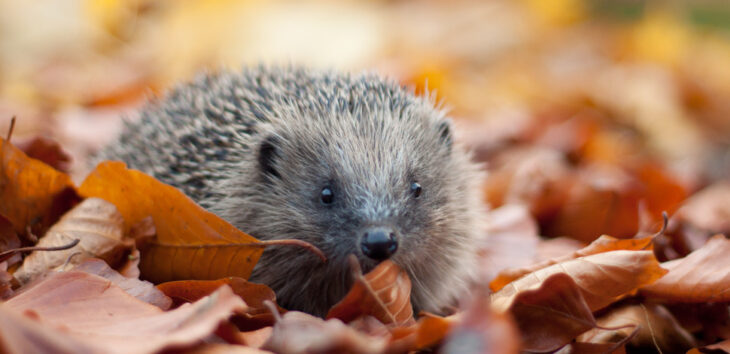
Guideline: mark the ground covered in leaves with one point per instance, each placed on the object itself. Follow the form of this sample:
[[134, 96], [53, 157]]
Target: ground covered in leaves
[[604, 126]]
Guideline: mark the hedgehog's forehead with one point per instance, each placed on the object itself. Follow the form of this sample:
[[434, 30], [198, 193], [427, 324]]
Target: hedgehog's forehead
[[378, 144]]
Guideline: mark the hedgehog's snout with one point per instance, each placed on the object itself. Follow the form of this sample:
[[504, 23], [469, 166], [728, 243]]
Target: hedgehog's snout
[[379, 243]]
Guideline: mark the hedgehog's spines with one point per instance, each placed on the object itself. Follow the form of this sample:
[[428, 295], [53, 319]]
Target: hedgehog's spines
[[366, 137]]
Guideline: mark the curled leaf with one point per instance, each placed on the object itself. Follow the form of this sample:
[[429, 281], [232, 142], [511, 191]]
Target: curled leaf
[[559, 302], [603, 278], [701, 276], [384, 293], [95, 223], [191, 243], [604, 243], [33, 194]]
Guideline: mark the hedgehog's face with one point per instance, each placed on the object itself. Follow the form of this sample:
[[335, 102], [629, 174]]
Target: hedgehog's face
[[378, 187]]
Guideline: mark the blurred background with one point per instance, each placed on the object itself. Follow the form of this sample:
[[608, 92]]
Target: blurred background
[[624, 104]]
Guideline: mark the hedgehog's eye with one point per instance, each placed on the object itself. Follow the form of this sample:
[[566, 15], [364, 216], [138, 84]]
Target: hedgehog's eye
[[416, 189], [326, 195]]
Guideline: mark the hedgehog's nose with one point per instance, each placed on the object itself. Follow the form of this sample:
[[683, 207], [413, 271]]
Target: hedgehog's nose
[[379, 243]]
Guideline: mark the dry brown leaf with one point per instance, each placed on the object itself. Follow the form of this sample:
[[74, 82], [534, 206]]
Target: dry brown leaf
[[510, 242], [604, 243], [558, 301], [723, 347], [594, 348], [257, 314], [8, 240], [480, 329], [34, 194], [6, 282], [557, 247], [427, 332], [708, 210], [191, 243], [644, 326], [298, 332], [603, 278], [601, 200], [72, 302], [256, 338], [21, 334], [534, 176], [220, 348], [140, 289], [701, 276], [95, 223], [384, 293], [48, 151]]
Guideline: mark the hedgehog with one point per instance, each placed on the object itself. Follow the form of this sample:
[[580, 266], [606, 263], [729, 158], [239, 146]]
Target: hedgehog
[[354, 164]]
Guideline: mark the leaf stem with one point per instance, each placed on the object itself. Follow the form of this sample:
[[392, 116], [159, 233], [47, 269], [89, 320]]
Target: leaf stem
[[9, 253]]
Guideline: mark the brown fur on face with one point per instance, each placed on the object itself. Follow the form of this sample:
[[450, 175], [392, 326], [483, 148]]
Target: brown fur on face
[[258, 147]]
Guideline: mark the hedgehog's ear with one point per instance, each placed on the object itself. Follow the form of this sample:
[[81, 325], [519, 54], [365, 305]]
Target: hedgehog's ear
[[444, 129], [268, 151]]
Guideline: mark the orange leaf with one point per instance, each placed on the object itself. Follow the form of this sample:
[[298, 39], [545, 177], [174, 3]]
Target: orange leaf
[[191, 243], [603, 278], [384, 293], [428, 331], [33, 194], [701, 276], [604, 243], [48, 151], [558, 301]]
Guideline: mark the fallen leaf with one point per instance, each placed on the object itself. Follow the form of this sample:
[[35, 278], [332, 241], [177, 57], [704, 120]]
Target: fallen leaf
[[34, 194], [25, 334], [384, 293], [480, 329], [48, 151], [602, 244], [557, 247], [298, 332], [6, 282], [191, 243], [708, 209], [601, 200], [220, 348], [644, 326], [95, 223], [723, 347], [256, 338], [711, 319], [428, 331], [71, 303], [534, 176], [603, 278], [558, 301], [140, 289], [191, 290], [701, 276], [617, 347], [511, 240], [661, 192], [9, 240]]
